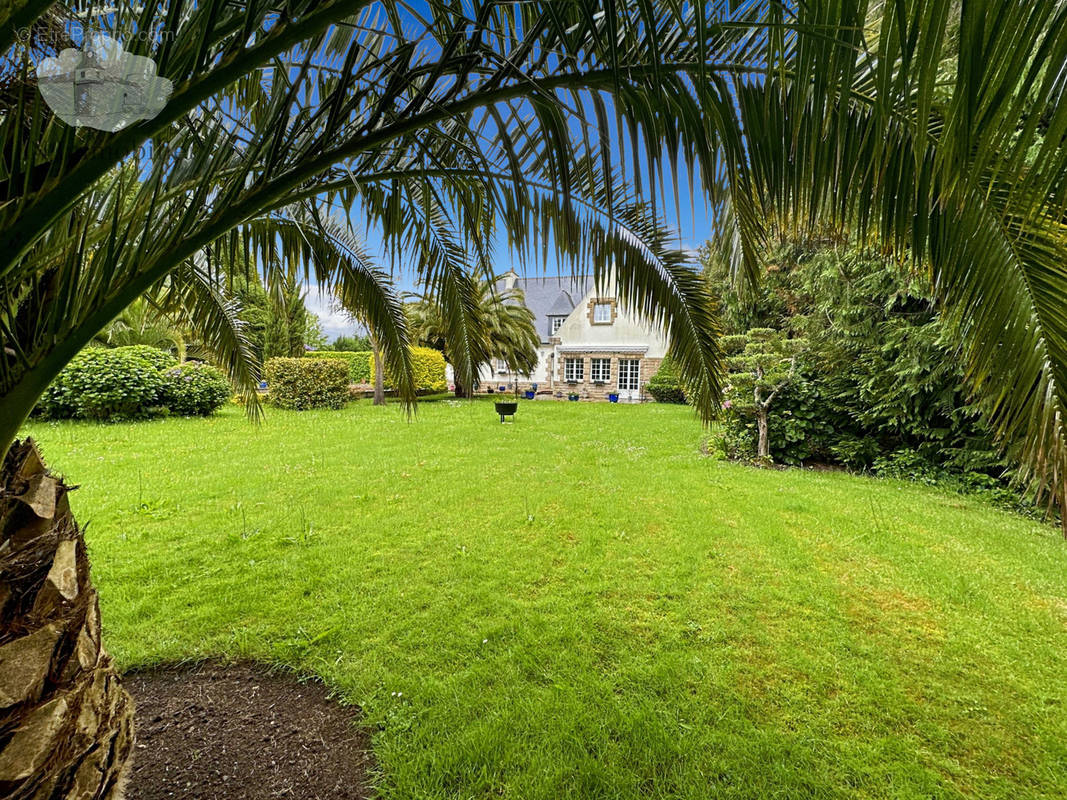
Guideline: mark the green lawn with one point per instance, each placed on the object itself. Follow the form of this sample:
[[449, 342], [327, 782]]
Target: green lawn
[[583, 605]]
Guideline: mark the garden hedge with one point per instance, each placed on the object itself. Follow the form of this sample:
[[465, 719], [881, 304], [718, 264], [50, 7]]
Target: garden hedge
[[358, 363], [427, 364], [193, 389], [303, 383]]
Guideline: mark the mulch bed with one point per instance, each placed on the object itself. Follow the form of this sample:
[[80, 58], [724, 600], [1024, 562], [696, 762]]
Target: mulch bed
[[243, 732]]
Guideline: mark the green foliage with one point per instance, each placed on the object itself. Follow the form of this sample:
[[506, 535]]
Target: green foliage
[[880, 375], [762, 364], [427, 366], [500, 326], [359, 369], [131, 382], [103, 384], [303, 383], [666, 384], [349, 344], [194, 389], [428, 369], [160, 359]]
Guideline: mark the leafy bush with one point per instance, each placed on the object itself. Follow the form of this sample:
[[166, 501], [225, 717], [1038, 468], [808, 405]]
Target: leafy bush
[[104, 384], [666, 384], [194, 389], [160, 359], [427, 365], [359, 369], [428, 369], [880, 387], [303, 383]]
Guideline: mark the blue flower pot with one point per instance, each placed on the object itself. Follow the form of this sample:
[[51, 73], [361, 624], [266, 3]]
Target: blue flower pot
[[530, 395], [613, 398]]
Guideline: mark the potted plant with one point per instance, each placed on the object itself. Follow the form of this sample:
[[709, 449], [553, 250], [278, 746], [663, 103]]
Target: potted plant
[[530, 394], [613, 397], [573, 397]]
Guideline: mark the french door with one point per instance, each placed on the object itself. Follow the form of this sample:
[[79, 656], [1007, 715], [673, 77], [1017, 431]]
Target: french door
[[630, 378]]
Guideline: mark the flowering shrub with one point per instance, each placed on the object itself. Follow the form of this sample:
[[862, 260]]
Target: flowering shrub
[[194, 389], [160, 359], [104, 384]]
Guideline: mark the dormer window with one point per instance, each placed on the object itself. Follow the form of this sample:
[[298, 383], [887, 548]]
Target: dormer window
[[602, 314], [554, 325]]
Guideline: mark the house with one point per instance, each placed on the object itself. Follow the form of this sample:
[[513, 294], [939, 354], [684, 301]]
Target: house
[[591, 344]]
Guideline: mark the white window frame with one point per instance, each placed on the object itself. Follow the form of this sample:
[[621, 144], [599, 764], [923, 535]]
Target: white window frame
[[573, 369], [554, 324], [501, 366], [629, 374], [600, 370], [597, 318]]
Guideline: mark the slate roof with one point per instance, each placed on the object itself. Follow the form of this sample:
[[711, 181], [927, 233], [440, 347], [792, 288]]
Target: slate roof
[[554, 296]]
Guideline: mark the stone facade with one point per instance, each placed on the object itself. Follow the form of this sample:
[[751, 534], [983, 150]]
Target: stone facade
[[588, 389]]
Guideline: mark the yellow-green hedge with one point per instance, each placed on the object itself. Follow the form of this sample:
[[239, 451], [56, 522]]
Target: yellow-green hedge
[[428, 367], [358, 362], [427, 364], [302, 383]]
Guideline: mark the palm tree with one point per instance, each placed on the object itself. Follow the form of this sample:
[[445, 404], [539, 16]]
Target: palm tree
[[140, 324], [504, 328]]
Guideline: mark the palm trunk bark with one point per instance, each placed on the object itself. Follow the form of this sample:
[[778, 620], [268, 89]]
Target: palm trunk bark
[[379, 372], [66, 724]]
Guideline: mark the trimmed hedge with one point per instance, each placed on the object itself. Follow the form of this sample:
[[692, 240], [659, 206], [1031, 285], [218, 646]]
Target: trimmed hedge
[[427, 364], [428, 368], [303, 383], [105, 384], [666, 384], [193, 389], [358, 363]]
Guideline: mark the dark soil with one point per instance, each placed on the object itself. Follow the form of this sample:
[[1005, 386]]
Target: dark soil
[[243, 732]]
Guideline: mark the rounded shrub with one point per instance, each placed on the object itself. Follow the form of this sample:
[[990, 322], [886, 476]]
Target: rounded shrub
[[194, 389], [303, 383], [666, 384], [104, 384], [160, 359]]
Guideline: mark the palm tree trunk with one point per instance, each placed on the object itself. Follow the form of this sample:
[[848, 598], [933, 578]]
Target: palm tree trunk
[[379, 372], [66, 722]]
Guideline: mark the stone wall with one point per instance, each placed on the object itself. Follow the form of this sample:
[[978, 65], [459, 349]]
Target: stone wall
[[587, 389]]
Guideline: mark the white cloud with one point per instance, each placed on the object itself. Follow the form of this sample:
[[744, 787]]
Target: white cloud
[[335, 321]]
